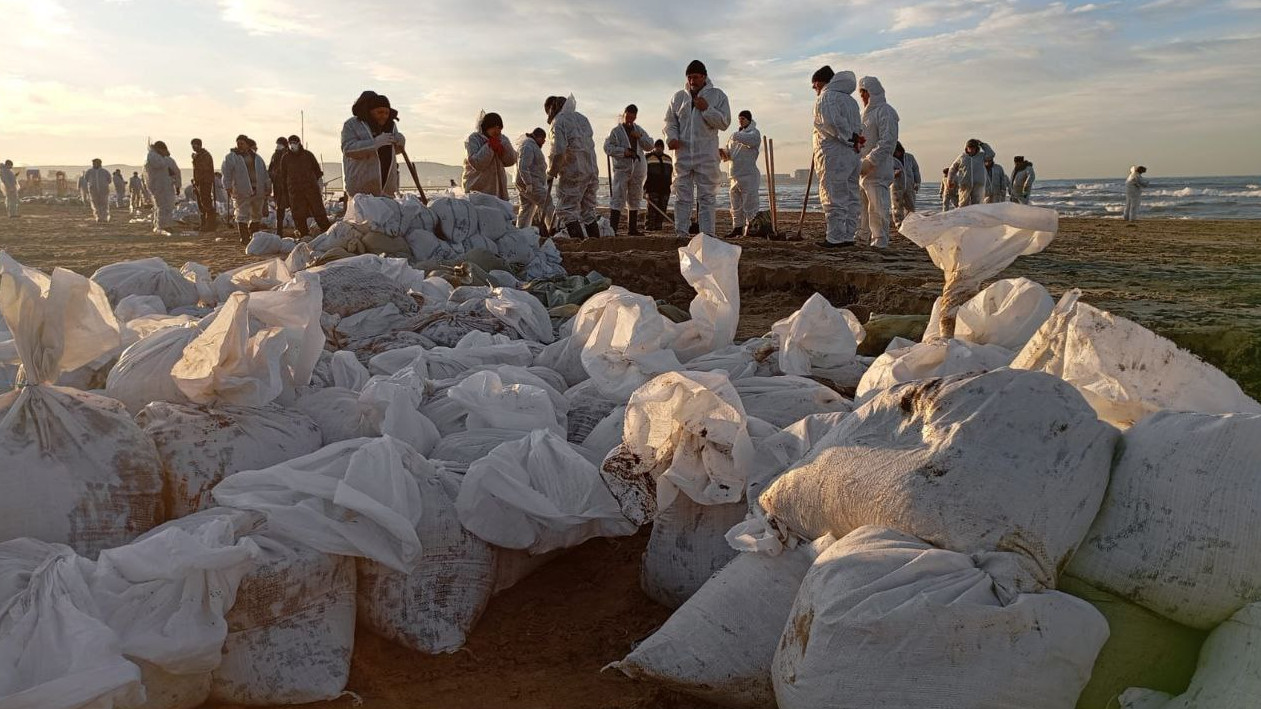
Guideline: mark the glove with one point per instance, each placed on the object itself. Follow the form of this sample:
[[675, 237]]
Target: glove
[[496, 146], [383, 140]]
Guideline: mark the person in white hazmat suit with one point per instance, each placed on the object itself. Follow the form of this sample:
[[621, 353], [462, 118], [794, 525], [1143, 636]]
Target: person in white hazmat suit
[[906, 182], [837, 140], [967, 173], [625, 146], [997, 184], [248, 184], [371, 143], [697, 113], [99, 182], [120, 187], [1134, 185], [572, 166], [9, 181], [531, 181], [1022, 180], [83, 190], [135, 191], [162, 179], [743, 147], [487, 152], [875, 174]]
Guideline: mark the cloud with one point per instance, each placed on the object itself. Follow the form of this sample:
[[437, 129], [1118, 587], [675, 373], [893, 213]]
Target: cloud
[[265, 17]]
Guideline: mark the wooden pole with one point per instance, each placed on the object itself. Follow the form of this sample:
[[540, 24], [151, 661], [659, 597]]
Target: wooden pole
[[774, 204], [805, 200], [766, 159], [415, 177]]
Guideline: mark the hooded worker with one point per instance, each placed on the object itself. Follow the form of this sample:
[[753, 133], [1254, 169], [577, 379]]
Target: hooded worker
[[531, 180], [1022, 180], [277, 184], [370, 142], [162, 179], [204, 185], [120, 187], [246, 179], [1134, 185], [135, 190], [906, 182], [996, 182], [875, 173], [301, 172], [571, 162], [625, 146], [743, 147], [83, 190], [9, 181], [697, 113], [837, 129], [99, 181], [487, 151], [949, 195], [967, 173]]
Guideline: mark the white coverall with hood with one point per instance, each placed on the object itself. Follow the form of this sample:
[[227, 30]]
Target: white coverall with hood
[[836, 120], [628, 173], [906, 182], [135, 190], [968, 175], [483, 169], [1134, 185], [571, 162], [743, 148], [361, 158], [875, 174], [1022, 183], [531, 182], [696, 172], [120, 188], [162, 179], [99, 181], [247, 198], [996, 184], [9, 181]]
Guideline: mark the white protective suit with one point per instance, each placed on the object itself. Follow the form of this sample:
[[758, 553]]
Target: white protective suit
[[696, 171], [875, 174], [484, 171], [968, 175], [247, 197], [837, 119], [83, 189], [949, 197], [162, 178], [532, 183], [361, 161], [1022, 183], [628, 173], [1134, 185], [120, 189], [135, 190], [571, 162], [906, 182], [996, 184], [99, 181], [743, 147], [10, 183]]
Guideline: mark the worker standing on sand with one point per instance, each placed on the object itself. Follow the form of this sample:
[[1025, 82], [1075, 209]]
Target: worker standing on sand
[[246, 180], [697, 113], [996, 183], [626, 145], [120, 187], [487, 151], [1134, 185], [875, 175], [221, 194], [571, 163], [204, 185], [301, 172], [135, 190], [906, 182], [742, 150], [967, 173], [83, 190], [949, 195], [837, 142], [370, 142], [531, 181], [98, 179], [277, 185], [660, 173], [9, 182], [1022, 180], [162, 179]]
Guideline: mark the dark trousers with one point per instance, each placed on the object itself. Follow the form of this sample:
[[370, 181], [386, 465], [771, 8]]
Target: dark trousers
[[661, 201], [282, 204], [206, 204], [307, 203]]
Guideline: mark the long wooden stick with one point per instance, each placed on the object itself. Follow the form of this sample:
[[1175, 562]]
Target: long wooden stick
[[667, 216], [609, 160], [774, 201], [770, 177], [415, 176], [805, 200]]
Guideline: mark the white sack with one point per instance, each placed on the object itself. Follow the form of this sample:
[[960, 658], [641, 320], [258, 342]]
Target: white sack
[[1006, 313], [624, 341], [253, 277], [688, 545], [490, 403], [379, 214], [492, 223], [150, 276], [782, 401], [522, 312], [817, 336], [199, 276], [137, 306], [384, 407], [712, 267], [265, 243], [457, 219], [939, 358], [143, 372]]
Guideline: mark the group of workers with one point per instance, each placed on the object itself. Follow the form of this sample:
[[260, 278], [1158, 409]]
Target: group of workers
[[974, 178]]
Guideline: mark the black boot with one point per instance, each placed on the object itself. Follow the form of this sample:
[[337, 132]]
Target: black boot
[[575, 231], [633, 226], [244, 230], [593, 229], [615, 216]]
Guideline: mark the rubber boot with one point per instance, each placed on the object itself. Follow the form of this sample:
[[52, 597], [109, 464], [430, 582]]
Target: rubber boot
[[615, 216], [593, 229], [575, 231], [244, 231], [633, 225]]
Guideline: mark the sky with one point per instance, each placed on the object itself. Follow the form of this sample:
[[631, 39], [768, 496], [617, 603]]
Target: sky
[[1083, 89]]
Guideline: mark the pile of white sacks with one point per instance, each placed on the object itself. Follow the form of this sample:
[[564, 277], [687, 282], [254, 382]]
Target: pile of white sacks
[[206, 483]]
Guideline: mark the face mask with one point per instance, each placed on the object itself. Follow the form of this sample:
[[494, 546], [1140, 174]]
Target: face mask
[[295, 147]]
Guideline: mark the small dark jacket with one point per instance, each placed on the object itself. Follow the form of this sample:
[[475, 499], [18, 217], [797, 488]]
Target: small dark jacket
[[660, 173], [300, 172], [203, 168]]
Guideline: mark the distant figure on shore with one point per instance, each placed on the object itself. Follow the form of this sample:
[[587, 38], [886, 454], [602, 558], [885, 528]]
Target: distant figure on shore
[[301, 172], [370, 141], [1134, 185], [135, 191], [657, 185], [83, 190], [906, 182], [949, 195], [625, 146], [743, 147], [571, 163], [120, 188], [204, 185], [487, 151], [837, 140], [875, 175], [9, 182], [162, 179], [967, 173], [531, 181], [1022, 180], [221, 194], [246, 179], [996, 183], [99, 182], [698, 112], [279, 194]]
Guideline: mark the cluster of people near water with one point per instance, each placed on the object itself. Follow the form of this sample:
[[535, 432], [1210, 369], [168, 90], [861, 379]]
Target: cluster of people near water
[[974, 178]]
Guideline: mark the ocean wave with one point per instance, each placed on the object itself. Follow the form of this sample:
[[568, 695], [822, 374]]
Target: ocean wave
[[1093, 186]]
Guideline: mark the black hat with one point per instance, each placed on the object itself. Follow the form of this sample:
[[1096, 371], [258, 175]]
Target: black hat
[[1020, 158], [823, 74], [745, 114], [159, 145], [241, 137], [538, 133], [295, 139], [282, 139], [696, 67], [632, 108], [492, 120], [367, 101]]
